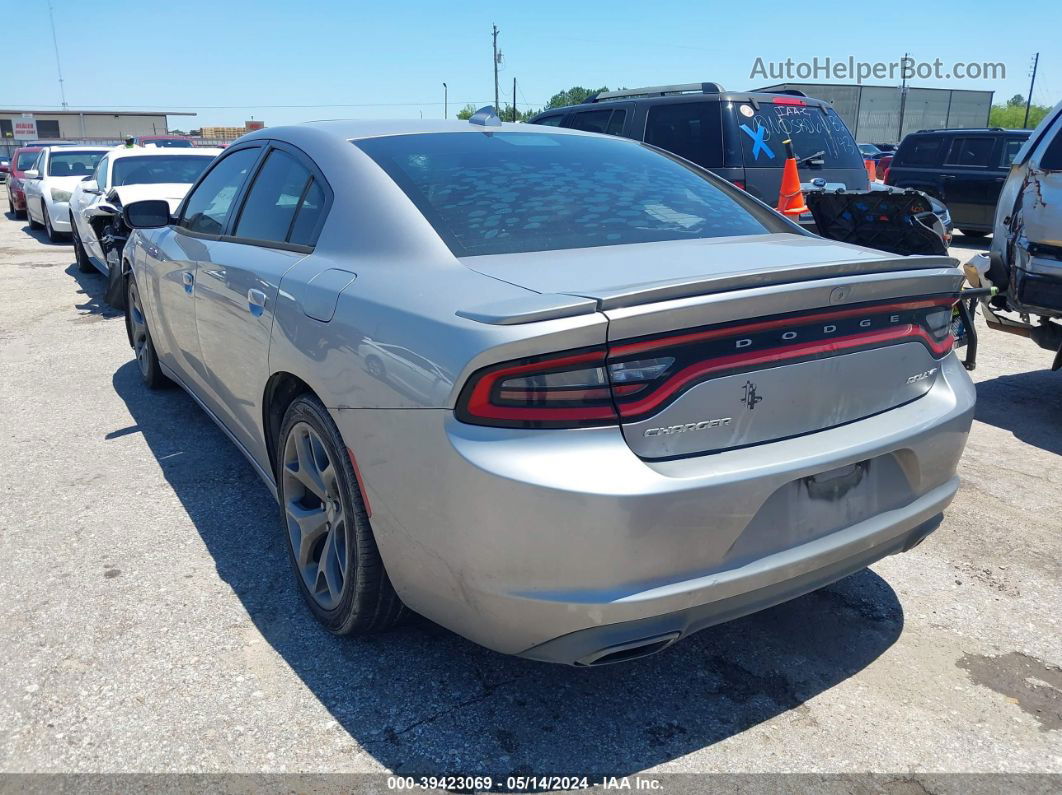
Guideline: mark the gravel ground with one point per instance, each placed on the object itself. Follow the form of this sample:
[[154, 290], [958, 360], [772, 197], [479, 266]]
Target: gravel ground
[[149, 621]]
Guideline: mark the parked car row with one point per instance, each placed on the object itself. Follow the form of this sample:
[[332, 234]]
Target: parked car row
[[77, 193]]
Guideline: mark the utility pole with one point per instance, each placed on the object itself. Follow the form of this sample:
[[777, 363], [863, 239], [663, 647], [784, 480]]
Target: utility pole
[[446, 101], [497, 57], [514, 99], [1028, 100], [903, 95]]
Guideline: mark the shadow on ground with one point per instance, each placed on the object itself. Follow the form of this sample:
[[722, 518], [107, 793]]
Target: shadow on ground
[[93, 286], [1027, 404], [423, 700]]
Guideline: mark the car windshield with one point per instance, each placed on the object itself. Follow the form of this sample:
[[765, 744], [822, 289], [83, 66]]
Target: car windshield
[[812, 129], [73, 164], [147, 170], [507, 192], [26, 160]]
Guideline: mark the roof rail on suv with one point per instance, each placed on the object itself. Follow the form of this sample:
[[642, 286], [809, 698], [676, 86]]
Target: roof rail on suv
[[657, 91]]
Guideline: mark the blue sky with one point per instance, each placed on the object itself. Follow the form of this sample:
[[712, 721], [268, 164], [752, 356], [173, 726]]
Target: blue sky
[[229, 61]]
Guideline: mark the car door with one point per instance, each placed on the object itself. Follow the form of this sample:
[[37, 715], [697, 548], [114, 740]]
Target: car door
[[969, 180], [238, 279], [175, 255], [32, 188]]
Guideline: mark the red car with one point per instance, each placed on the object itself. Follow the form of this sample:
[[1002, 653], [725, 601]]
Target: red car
[[21, 160]]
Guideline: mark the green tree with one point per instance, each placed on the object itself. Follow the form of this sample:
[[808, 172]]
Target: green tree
[[573, 96], [466, 112], [1016, 101], [1011, 116]]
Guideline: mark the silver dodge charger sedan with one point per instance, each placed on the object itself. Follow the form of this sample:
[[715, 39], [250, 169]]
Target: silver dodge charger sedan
[[566, 394]]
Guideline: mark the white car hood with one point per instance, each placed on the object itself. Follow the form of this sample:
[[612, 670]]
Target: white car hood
[[172, 192]]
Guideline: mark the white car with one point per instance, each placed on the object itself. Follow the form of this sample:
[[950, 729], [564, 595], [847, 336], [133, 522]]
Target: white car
[[123, 176], [50, 182]]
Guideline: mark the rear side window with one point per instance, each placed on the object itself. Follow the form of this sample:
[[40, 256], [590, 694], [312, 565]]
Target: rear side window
[[551, 121], [273, 198], [510, 192], [691, 130], [1011, 146], [919, 151], [591, 121], [26, 160], [208, 205], [308, 216], [1052, 157], [975, 152]]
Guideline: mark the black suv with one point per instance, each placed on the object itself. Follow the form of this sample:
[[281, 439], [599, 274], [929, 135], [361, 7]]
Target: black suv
[[965, 169], [735, 134]]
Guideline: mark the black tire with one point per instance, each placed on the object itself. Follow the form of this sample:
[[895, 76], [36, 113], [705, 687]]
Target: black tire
[[136, 326], [973, 233], [366, 602], [80, 255], [116, 292]]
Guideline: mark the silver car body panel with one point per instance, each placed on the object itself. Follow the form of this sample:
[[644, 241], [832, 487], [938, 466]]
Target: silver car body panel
[[518, 537]]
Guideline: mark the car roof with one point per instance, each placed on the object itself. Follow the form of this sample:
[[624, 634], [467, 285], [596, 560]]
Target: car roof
[[358, 129], [969, 130], [77, 148], [122, 152], [767, 97]]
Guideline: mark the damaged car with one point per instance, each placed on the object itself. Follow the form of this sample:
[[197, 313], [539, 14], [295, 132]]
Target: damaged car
[[1024, 265], [98, 230]]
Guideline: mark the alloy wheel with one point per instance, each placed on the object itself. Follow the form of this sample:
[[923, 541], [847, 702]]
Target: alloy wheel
[[138, 330], [319, 528]]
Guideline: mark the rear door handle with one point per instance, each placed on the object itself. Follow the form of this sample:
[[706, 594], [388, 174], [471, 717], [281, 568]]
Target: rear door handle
[[189, 280], [256, 301], [947, 176]]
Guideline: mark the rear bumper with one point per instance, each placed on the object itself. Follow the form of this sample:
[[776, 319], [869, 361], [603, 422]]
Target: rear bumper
[[561, 545]]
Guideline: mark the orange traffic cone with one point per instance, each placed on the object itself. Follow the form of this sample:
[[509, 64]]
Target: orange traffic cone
[[790, 197], [872, 169]]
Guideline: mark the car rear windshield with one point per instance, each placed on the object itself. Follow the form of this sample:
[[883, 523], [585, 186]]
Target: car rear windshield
[[507, 192], [73, 164], [812, 129], [149, 170], [168, 143], [26, 160]]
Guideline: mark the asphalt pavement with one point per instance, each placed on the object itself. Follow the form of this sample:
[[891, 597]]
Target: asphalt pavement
[[149, 621]]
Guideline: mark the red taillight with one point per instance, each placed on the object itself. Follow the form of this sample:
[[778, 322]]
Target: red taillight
[[789, 101], [564, 390], [885, 176], [739, 183], [637, 378]]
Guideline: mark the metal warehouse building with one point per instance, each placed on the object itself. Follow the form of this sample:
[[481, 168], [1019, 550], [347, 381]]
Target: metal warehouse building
[[872, 113], [80, 125]]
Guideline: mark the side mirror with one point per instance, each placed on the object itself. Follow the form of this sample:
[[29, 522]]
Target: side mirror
[[32, 174], [147, 214], [90, 186]]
